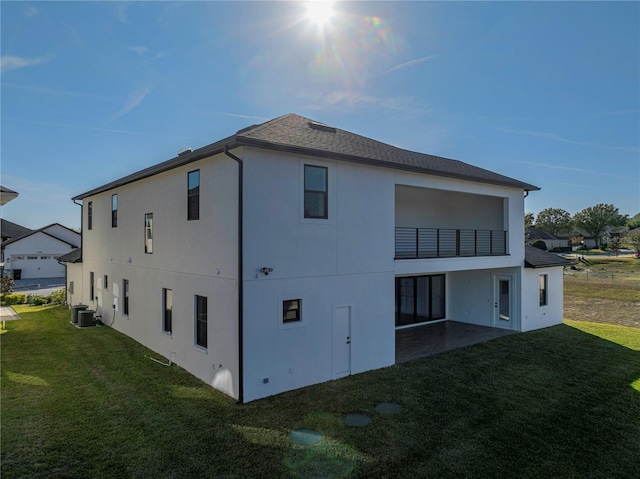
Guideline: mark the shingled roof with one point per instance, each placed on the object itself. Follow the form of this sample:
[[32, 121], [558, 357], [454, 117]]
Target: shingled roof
[[11, 230], [296, 134], [537, 258]]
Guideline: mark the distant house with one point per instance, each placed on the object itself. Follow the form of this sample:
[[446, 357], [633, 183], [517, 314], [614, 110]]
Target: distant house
[[554, 243], [290, 253], [35, 253], [10, 230]]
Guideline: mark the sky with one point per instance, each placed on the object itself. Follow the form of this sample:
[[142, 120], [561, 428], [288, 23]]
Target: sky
[[547, 93]]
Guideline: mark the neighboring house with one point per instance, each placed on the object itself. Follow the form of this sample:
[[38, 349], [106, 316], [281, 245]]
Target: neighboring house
[[10, 230], [7, 195], [34, 254], [290, 252], [552, 242]]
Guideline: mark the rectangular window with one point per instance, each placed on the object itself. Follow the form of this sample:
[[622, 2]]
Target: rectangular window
[[315, 192], [90, 215], [167, 308], [291, 309], [92, 292], [148, 233], [201, 321], [125, 297], [193, 195], [420, 299], [114, 211], [544, 283], [105, 283]]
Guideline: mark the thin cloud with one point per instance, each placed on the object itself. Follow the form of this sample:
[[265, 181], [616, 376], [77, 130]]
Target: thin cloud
[[556, 137], [248, 117], [31, 11], [66, 125], [140, 50], [53, 91], [410, 63], [349, 100], [570, 168], [8, 63], [133, 100]]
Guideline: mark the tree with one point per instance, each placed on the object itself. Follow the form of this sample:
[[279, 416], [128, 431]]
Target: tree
[[577, 240], [529, 219], [596, 219], [614, 244], [6, 285], [634, 222], [553, 220], [633, 240]]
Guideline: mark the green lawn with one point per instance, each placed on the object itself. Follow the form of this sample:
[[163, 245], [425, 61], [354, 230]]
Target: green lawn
[[555, 403]]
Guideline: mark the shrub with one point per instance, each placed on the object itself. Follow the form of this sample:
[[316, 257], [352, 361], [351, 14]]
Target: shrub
[[540, 245], [59, 296], [40, 300], [15, 298]]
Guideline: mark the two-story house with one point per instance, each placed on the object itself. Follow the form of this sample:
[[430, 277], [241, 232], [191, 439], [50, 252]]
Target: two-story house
[[289, 254]]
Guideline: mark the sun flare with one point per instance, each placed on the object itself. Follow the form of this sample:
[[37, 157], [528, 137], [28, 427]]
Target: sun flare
[[319, 12]]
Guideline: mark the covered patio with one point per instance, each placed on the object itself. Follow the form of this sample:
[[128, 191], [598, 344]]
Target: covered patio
[[426, 340]]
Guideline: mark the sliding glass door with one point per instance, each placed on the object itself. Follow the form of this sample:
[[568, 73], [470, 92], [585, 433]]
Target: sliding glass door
[[420, 299]]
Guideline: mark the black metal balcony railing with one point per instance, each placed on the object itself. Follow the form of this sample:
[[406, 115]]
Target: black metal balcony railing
[[413, 243]]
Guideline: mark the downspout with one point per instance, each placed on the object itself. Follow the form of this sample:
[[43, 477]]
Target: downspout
[[240, 280]]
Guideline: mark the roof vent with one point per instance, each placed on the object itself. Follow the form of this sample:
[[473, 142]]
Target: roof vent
[[185, 151], [321, 127]]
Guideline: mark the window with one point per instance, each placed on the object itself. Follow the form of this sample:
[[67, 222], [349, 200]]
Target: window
[[125, 297], [92, 292], [114, 211], [544, 283], [32, 257], [201, 321], [291, 310], [315, 192], [420, 299], [148, 233], [193, 195], [90, 215], [167, 308], [105, 283]]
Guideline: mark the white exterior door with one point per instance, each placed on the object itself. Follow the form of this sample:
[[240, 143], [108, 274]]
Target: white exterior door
[[503, 302], [341, 341]]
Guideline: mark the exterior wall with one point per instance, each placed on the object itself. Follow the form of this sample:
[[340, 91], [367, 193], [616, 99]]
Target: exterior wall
[[191, 258], [42, 246], [74, 275], [65, 234], [345, 260], [534, 315]]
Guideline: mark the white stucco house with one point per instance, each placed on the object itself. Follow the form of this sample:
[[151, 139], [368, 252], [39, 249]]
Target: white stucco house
[[290, 252], [35, 253]]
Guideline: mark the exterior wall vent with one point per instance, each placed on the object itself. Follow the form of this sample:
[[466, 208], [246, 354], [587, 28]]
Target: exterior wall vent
[[322, 127]]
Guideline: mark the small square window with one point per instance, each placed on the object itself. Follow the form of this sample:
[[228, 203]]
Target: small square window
[[291, 310]]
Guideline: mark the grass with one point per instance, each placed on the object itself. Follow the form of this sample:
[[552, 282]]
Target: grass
[[559, 402]]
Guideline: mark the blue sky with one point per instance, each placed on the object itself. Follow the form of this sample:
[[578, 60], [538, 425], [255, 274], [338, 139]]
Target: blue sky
[[547, 92]]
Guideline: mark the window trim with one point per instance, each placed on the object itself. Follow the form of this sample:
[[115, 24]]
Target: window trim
[[114, 210], [325, 192], [543, 290], [197, 321], [165, 310], [125, 297], [191, 214], [148, 233]]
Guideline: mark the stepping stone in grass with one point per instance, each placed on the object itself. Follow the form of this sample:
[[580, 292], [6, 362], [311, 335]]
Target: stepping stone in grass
[[305, 437], [358, 420]]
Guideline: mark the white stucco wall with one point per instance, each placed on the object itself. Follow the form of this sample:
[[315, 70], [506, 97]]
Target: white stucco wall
[[189, 257], [534, 315], [75, 284]]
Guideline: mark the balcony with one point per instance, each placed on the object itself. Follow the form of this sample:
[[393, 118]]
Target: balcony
[[419, 243]]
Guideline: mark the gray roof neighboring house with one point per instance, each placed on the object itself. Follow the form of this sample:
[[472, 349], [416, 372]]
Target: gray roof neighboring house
[[535, 234], [73, 256], [537, 258], [11, 230], [39, 230], [296, 134]]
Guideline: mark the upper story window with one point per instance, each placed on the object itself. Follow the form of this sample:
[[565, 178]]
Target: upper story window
[[148, 233], [90, 215], [544, 289], [114, 211], [193, 195], [316, 192]]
